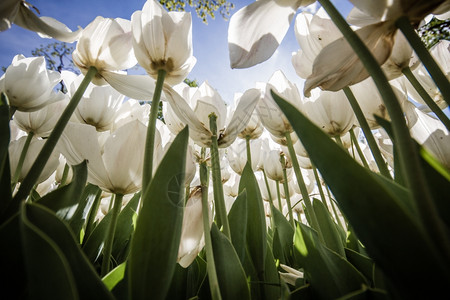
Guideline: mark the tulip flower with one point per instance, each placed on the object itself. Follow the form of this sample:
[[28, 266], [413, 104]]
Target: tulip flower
[[115, 164], [205, 102], [274, 168], [131, 110], [237, 157], [29, 85], [430, 133], [192, 234], [40, 122], [98, 106], [106, 45], [20, 13], [163, 40], [291, 275], [35, 146], [256, 30], [270, 115]]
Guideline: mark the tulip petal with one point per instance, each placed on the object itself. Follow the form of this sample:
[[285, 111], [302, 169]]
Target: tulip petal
[[197, 130], [139, 87], [338, 66], [241, 117], [256, 31], [45, 26]]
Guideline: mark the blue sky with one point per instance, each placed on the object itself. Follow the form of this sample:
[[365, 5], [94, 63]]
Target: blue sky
[[209, 42]]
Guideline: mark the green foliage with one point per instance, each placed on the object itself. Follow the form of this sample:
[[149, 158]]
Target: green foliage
[[434, 31], [203, 8]]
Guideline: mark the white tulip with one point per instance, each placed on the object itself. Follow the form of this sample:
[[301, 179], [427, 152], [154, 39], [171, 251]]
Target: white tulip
[[274, 168], [41, 122], [15, 150], [29, 85], [115, 165], [163, 40]]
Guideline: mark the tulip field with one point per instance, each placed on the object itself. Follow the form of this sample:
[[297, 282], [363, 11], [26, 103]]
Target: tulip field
[[337, 191]]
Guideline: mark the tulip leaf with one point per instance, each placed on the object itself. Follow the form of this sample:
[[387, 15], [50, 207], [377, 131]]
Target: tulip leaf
[[256, 221], [283, 238], [330, 274], [56, 266], [376, 210], [328, 228], [231, 276], [155, 243], [271, 278], [237, 218], [64, 201], [114, 277], [364, 264], [94, 242]]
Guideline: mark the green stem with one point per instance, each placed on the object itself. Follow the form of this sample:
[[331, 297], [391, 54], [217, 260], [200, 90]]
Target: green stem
[[338, 140], [426, 97], [211, 266], [23, 154], [64, 175], [333, 206], [286, 191], [301, 184], [319, 185], [249, 153], [219, 199], [280, 205], [147, 172], [367, 133], [49, 146], [425, 57], [269, 193], [408, 154], [358, 149], [110, 235]]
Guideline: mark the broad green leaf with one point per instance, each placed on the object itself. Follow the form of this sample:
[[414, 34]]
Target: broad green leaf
[[178, 288], [364, 264], [271, 278], [43, 227], [285, 234], [366, 293], [330, 275], [256, 221], [155, 243], [237, 218], [64, 201], [328, 228], [124, 229], [392, 235], [114, 277], [87, 200], [231, 276]]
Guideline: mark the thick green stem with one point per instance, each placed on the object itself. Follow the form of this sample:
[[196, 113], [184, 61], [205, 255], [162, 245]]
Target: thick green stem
[[333, 206], [319, 185], [367, 133], [23, 154], [219, 198], [93, 213], [109, 240], [269, 193], [280, 205], [425, 57], [151, 129], [64, 175], [49, 146], [426, 97], [286, 191], [408, 154], [211, 266], [338, 140], [301, 184], [358, 149], [249, 153]]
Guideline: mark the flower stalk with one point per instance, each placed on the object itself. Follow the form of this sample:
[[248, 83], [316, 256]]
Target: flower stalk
[[151, 129], [425, 57], [211, 266], [286, 191], [367, 133], [109, 240], [358, 149], [37, 167], [219, 199]]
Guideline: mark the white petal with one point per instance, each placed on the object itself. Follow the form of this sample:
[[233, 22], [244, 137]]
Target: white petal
[[256, 31], [47, 27], [139, 87]]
